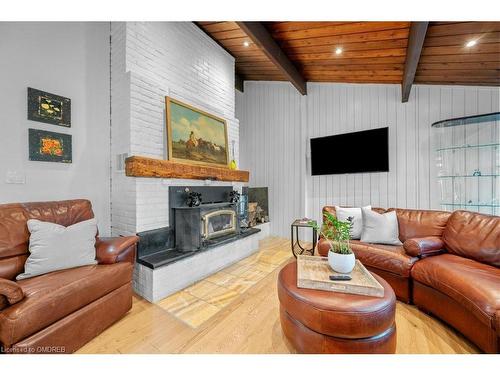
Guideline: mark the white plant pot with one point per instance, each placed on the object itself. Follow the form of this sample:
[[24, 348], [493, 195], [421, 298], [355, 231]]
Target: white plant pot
[[341, 263]]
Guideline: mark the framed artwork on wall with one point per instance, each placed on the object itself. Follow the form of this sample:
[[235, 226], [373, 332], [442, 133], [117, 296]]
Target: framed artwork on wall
[[195, 136], [49, 108], [49, 146]]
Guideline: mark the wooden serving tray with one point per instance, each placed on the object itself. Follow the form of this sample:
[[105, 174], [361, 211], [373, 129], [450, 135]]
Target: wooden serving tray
[[313, 273]]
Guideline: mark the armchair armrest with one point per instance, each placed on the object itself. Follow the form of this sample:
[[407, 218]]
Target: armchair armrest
[[10, 291], [424, 246], [111, 250]]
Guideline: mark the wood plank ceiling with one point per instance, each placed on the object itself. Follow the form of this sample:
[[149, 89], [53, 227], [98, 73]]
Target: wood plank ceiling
[[445, 59], [251, 63], [372, 52]]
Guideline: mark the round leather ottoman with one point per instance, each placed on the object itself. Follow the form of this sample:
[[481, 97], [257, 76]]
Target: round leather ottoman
[[316, 321]]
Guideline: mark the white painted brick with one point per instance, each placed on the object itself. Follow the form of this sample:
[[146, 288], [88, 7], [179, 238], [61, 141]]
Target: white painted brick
[[164, 281], [150, 60]]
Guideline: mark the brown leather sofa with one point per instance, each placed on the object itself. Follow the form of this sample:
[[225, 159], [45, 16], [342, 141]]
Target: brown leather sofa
[[60, 311], [448, 266], [394, 263]]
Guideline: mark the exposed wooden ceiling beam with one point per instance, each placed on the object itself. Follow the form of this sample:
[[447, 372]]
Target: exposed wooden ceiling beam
[[257, 32], [415, 44]]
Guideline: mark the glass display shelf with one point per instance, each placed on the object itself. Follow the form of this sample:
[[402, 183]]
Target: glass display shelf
[[470, 205], [468, 146], [476, 119], [467, 155], [471, 176]]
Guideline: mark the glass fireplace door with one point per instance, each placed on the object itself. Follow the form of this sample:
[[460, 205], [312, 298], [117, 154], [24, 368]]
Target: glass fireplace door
[[218, 223]]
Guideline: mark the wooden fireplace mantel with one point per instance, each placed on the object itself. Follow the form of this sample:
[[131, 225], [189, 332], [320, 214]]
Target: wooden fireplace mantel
[[139, 166]]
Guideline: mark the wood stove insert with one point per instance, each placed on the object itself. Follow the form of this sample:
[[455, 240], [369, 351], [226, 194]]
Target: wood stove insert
[[193, 229]]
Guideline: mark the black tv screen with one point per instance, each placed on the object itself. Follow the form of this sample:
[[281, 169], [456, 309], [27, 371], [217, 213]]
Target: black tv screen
[[358, 152]]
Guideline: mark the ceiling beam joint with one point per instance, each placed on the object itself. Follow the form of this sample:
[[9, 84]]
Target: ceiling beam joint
[[259, 35]]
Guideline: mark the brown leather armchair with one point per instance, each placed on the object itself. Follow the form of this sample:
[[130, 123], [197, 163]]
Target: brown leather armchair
[[60, 311]]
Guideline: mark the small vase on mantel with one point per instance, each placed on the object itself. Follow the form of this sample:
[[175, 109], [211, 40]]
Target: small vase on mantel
[[232, 164], [341, 263]]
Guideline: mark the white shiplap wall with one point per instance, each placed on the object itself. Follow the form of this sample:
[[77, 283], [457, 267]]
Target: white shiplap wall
[[276, 124], [271, 147]]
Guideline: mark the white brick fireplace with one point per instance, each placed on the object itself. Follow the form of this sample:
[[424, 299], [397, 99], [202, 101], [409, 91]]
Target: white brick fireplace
[[151, 60]]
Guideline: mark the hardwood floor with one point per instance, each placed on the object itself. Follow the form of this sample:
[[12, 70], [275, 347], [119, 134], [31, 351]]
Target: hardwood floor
[[250, 324], [198, 303]]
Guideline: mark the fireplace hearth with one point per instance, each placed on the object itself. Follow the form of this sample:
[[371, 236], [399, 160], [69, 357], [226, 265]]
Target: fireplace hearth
[[216, 221]]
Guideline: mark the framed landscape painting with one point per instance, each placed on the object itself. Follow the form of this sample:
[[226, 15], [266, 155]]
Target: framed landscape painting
[[195, 136], [49, 146], [49, 108]]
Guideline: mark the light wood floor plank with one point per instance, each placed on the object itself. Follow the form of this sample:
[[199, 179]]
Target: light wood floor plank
[[250, 322]]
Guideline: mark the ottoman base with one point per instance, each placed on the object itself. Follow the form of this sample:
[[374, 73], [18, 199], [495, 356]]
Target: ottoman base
[[304, 340]]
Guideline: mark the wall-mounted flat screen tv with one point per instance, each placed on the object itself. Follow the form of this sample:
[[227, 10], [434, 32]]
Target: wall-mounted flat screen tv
[[358, 152]]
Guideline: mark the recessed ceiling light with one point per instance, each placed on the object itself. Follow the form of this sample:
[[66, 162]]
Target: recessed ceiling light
[[471, 43], [246, 43], [338, 51]]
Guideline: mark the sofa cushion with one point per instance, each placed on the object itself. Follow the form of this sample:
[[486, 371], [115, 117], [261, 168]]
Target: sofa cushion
[[384, 257], [473, 235], [380, 228], [472, 284], [14, 234], [420, 223], [344, 213], [55, 247], [55, 295], [331, 210]]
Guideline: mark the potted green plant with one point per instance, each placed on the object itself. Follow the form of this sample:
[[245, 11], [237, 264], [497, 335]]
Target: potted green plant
[[337, 233]]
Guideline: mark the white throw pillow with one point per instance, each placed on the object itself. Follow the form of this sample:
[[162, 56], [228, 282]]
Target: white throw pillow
[[380, 228], [55, 247], [343, 213]]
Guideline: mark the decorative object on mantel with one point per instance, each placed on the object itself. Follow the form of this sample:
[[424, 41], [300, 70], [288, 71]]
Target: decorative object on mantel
[[234, 197], [232, 164], [49, 146], [314, 272], [49, 108], [138, 166], [193, 198], [195, 136]]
